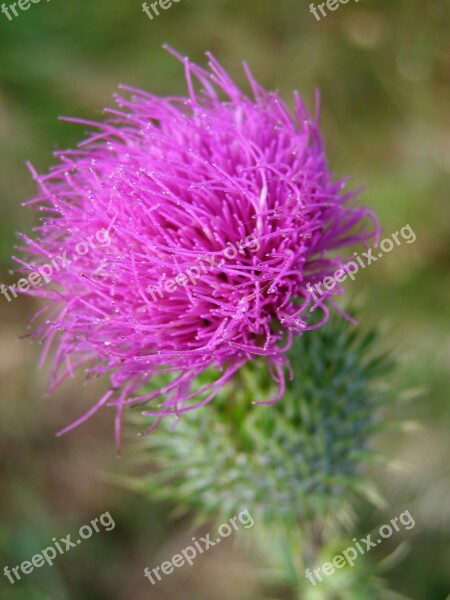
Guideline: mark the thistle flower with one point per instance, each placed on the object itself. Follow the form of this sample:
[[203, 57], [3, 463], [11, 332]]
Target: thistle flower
[[175, 182]]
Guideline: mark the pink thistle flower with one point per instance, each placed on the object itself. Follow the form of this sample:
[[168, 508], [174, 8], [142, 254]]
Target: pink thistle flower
[[174, 182]]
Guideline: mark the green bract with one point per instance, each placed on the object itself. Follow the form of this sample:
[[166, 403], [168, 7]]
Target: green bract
[[288, 462]]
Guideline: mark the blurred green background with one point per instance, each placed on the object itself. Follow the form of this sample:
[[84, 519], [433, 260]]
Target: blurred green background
[[383, 69]]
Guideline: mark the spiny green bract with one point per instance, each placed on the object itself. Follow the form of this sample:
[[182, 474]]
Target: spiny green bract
[[288, 462]]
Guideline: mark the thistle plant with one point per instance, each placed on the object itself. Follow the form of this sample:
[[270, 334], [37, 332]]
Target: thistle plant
[[176, 184]]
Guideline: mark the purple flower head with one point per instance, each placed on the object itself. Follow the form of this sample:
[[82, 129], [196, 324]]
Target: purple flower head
[[216, 211]]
